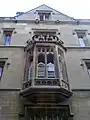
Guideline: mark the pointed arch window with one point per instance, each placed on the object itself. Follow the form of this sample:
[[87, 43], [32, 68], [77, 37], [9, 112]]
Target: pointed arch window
[[41, 66], [50, 66]]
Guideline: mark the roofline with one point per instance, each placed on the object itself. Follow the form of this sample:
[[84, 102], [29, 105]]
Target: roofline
[[30, 10], [14, 17], [48, 7], [59, 12]]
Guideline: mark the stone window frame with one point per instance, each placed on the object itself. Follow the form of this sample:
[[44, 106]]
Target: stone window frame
[[2, 65], [45, 14], [7, 32], [45, 53], [86, 63], [81, 33]]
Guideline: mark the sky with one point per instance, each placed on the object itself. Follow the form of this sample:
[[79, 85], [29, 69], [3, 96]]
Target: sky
[[79, 9]]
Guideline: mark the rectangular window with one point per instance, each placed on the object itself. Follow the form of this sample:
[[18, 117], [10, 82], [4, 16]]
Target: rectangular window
[[87, 62], [7, 37], [2, 63], [47, 16], [41, 16], [83, 41], [44, 16], [7, 33]]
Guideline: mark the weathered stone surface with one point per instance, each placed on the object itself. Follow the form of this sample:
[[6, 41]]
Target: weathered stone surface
[[9, 105], [81, 105]]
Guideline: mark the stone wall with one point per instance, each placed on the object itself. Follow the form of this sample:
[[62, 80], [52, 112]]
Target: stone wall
[[24, 31], [13, 74], [9, 105], [81, 105], [77, 73]]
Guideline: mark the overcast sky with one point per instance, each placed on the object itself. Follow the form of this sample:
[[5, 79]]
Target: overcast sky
[[72, 8]]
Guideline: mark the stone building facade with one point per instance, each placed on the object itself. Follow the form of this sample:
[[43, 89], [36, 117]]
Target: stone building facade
[[44, 66]]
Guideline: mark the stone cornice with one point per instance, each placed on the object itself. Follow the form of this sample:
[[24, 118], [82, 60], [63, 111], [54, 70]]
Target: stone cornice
[[11, 46], [73, 22], [78, 48]]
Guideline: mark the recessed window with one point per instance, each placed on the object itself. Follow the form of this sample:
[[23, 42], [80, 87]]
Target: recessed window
[[83, 41], [41, 16], [87, 62], [44, 16], [7, 37], [2, 63], [47, 16]]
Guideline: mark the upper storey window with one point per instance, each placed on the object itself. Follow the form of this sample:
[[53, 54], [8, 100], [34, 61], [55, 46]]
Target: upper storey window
[[41, 16], [7, 36], [45, 66], [87, 63], [50, 65], [2, 63], [83, 41], [41, 66], [44, 15]]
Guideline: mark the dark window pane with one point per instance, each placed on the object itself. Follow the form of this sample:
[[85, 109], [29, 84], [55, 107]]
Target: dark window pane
[[43, 50], [41, 17], [30, 75], [51, 49], [50, 58], [2, 63], [41, 65], [1, 69], [47, 16], [39, 49], [41, 58], [88, 67], [47, 49]]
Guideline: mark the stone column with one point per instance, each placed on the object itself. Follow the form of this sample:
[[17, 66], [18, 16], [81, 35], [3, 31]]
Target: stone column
[[34, 61], [57, 64]]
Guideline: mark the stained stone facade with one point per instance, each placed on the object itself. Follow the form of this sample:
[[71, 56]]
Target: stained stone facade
[[44, 66]]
